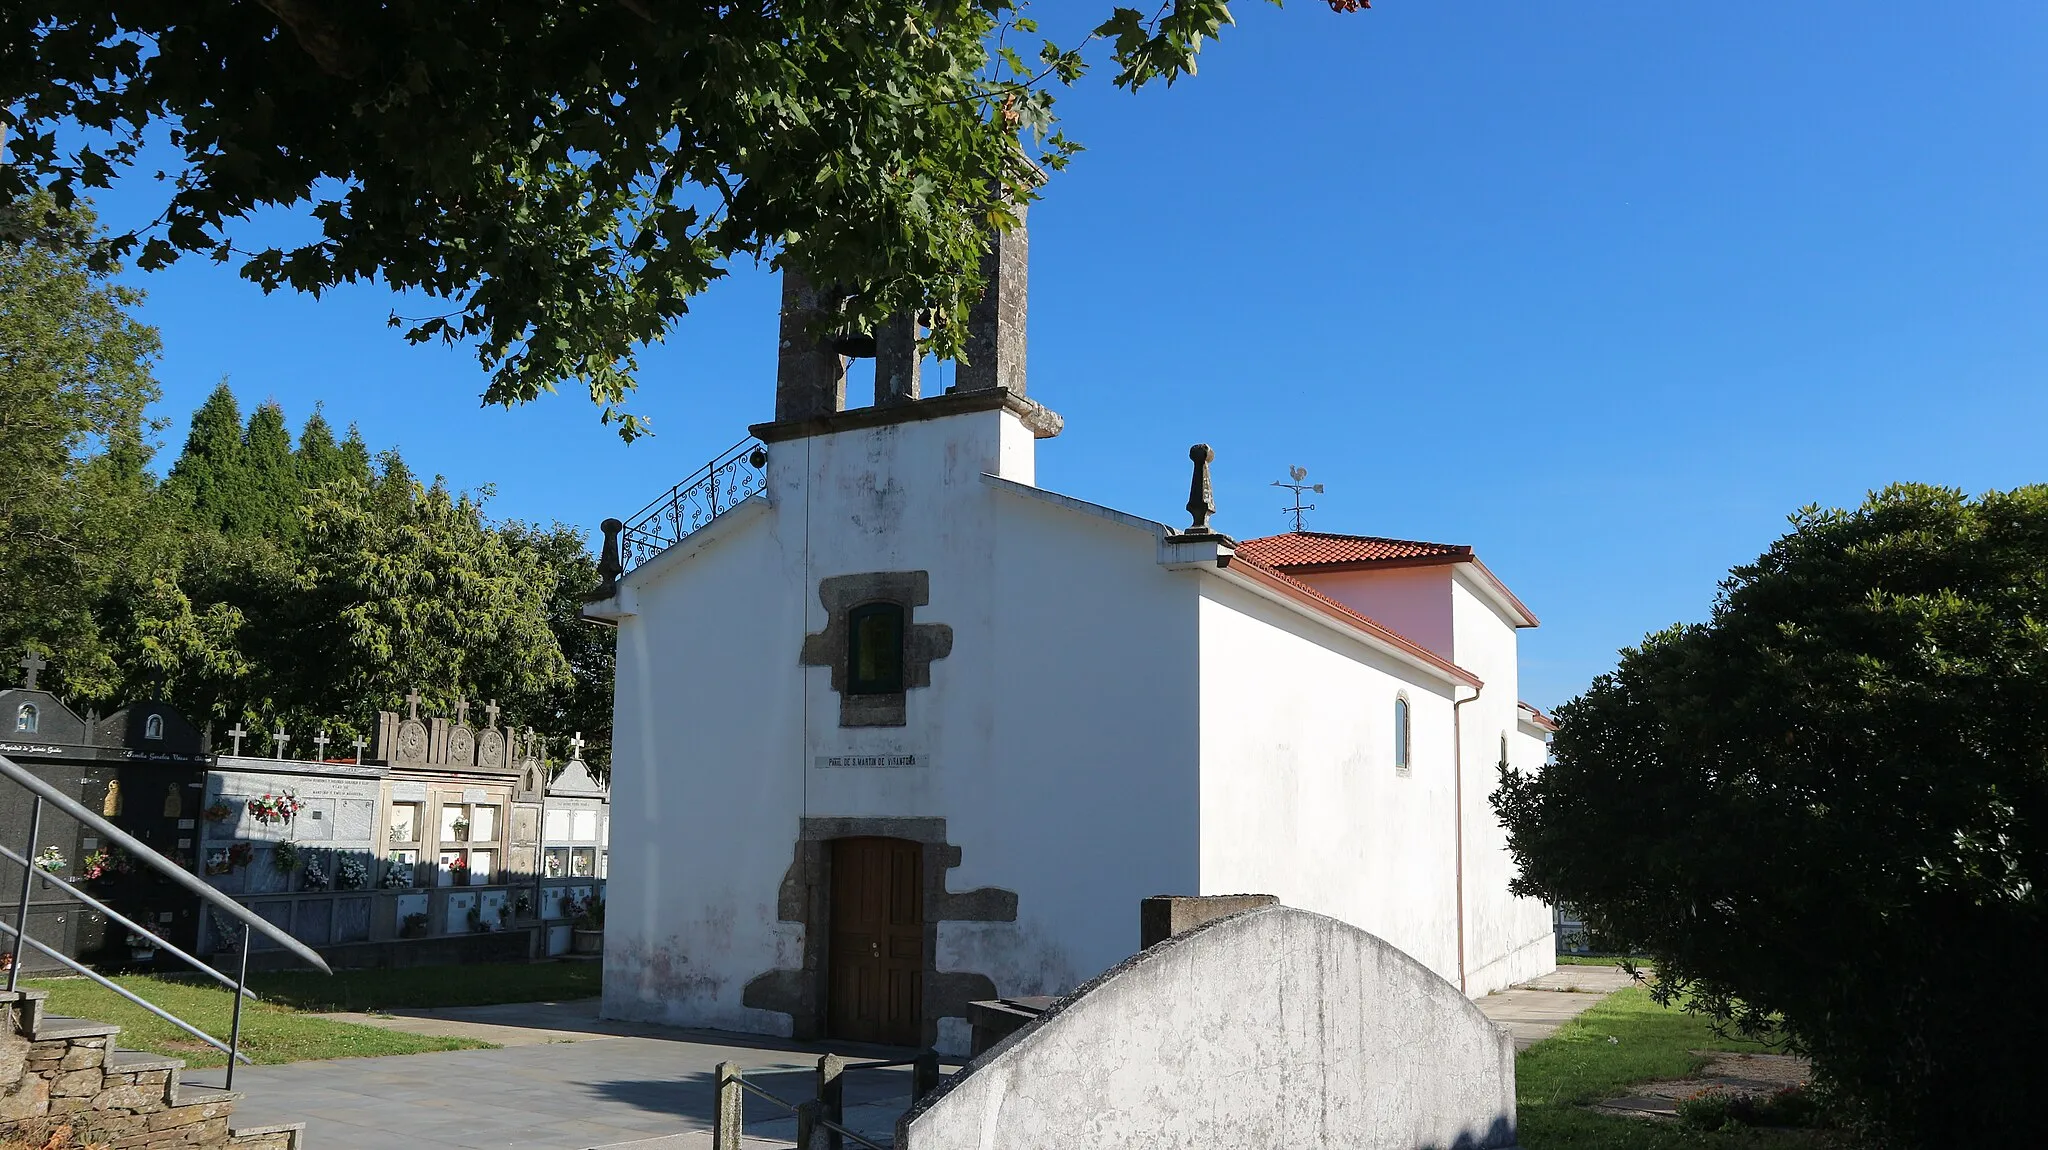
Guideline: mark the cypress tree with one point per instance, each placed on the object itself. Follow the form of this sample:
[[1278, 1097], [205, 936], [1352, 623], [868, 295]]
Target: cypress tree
[[271, 508], [355, 456], [209, 474]]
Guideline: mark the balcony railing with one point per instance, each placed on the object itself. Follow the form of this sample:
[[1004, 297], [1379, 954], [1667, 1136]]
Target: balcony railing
[[741, 471]]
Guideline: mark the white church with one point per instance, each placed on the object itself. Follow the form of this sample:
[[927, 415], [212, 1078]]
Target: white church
[[897, 729]]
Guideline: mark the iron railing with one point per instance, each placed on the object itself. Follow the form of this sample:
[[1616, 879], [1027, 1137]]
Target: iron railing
[[44, 793], [820, 1119], [738, 472]]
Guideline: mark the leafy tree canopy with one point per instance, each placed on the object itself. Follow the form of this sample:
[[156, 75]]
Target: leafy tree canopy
[[565, 177], [75, 381], [1826, 809]]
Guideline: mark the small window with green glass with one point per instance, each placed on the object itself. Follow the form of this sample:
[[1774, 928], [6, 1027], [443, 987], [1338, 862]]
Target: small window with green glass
[[874, 649]]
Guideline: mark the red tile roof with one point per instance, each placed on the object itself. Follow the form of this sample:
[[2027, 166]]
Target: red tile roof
[[1318, 548], [1538, 718]]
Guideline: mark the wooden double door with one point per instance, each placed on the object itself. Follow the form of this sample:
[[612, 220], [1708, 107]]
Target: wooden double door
[[875, 965]]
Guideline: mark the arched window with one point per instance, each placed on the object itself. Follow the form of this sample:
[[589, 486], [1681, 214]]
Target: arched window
[[154, 728], [26, 719], [1401, 733], [874, 649]]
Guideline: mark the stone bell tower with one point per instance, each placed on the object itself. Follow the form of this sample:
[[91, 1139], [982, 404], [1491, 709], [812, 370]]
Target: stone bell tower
[[810, 368]]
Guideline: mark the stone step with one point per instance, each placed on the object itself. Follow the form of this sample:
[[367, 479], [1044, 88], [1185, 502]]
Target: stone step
[[186, 1094], [279, 1136], [51, 1027], [137, 1061]]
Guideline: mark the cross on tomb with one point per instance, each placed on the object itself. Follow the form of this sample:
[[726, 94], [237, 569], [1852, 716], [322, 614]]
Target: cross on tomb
[[412, 701], [491, 715], [360, 744], [236, 732], [462, 711], [576, 747], [320, 746], [280, 738], [32, 663]]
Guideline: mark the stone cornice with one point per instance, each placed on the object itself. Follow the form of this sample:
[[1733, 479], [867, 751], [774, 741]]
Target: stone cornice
[[1043, 422]]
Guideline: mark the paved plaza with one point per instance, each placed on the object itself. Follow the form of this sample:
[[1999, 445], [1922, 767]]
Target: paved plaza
[[564, 1079]]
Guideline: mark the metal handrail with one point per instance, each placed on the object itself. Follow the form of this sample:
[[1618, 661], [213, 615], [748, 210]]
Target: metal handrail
[[136, 847], [733, 476], [252, 923], [131, 924], [124, 992]]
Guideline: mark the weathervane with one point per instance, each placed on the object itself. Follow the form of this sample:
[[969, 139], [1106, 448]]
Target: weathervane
[[1296, 475]]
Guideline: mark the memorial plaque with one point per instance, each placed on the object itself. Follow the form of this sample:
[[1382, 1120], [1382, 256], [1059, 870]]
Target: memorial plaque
[[475, 795], [353, 819], [409, 792], [885, 759], [263, 875], [351, 919], [316, 822]]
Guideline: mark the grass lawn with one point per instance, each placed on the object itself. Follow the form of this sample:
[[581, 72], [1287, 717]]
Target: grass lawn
[[270, 1032], [1624, 1040]]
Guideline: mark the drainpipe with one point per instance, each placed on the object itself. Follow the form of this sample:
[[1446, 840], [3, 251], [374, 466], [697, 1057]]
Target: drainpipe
[[1458, 816]]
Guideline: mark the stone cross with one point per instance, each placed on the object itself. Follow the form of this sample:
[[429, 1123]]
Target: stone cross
[[360, 744], [32, 663], [236, 732], [320, 746], [462, 711], [412, 701], [576, 747], [280, 738], [491, 713]]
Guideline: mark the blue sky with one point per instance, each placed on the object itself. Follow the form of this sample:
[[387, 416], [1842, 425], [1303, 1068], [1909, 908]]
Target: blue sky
[[1605, 289]]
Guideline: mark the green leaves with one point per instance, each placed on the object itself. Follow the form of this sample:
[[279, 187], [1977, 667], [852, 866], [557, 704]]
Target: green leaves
[[567, 177], [1809, 807]]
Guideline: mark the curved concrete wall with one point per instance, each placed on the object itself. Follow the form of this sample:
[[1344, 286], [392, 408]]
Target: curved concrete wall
[[1273, 1028]]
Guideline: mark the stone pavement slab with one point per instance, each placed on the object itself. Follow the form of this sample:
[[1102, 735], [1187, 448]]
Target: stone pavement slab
[[1532, 1011], [588, 1089]]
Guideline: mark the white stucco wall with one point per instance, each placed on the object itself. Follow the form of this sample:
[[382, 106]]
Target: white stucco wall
[[1272, 1028], [1300, 796], [1507, 939], [1056, 739]]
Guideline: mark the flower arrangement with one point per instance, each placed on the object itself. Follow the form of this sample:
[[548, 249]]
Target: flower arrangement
[[52, 860], [399, 874], [286, 857], [414, 925], [141, 941], [278, 808], [585, 913], [461, 828], [222, 860], [105, 861], [523, 904], [351, 874], [218, 811], [315, 877], [459, 869], [477, 925]]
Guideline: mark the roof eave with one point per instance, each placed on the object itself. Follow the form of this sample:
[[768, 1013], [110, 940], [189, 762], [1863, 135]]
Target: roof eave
[[1278, 587]]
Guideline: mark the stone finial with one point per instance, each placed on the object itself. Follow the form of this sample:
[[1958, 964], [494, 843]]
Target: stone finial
[[33, 664], [320, 742], [491, 713], [412, 704], [995, 325], [237, 733], [1201, 496], [280, 738], [609, 565], [810, 376], [360, 743]]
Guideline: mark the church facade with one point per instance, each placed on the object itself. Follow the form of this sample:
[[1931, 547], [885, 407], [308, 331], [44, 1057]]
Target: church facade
[[896, 729]]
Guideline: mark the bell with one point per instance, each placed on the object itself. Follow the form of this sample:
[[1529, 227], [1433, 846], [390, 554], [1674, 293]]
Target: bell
[[854, 344]]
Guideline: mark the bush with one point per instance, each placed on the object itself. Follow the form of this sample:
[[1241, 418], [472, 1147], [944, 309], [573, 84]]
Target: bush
[[1721, 1109], [1823, 814]]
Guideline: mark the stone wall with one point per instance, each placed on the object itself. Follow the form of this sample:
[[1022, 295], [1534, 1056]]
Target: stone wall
[[1274, 1027]]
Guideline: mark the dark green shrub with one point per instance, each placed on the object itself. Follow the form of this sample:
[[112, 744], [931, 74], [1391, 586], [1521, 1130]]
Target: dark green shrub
[[1823, 814]]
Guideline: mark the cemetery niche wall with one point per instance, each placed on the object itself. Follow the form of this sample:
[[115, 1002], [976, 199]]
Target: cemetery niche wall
[[426, 850], [141, 767]]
